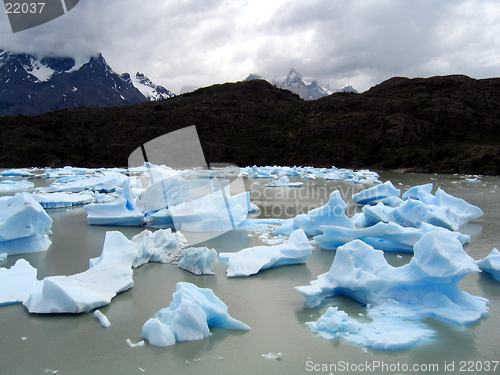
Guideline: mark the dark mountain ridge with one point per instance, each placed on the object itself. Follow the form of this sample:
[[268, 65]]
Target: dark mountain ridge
[[440, 124]]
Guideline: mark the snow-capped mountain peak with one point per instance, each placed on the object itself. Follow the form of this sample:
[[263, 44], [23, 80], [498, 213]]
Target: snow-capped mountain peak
[[149, 89]]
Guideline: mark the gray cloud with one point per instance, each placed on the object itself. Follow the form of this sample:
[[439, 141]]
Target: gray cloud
[[337, 42]]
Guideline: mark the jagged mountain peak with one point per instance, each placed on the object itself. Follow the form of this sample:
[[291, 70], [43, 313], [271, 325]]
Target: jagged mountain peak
[[294, 79], [31, 85]]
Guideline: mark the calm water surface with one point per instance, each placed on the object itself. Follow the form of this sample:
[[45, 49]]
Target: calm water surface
[[267, 302]]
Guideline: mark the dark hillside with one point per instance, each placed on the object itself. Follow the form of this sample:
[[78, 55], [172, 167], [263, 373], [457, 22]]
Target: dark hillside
[[438, 124]]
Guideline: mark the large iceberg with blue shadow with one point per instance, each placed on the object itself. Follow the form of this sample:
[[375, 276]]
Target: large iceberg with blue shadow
[[24, 225], [427, 287], [491, 264], [189, 317], [250, 261]]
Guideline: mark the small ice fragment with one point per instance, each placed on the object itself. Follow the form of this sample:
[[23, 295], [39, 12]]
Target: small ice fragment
[[23, 338], [3, 256], [141, 369], [271, 356], [102, 319], [365, 350], [141, 343], [399, 256]]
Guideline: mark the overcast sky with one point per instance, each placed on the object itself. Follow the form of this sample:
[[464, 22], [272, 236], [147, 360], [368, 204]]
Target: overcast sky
[[337, 42]]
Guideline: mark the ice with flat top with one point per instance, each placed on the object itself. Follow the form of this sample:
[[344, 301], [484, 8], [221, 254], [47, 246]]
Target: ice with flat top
[[427, 287], [11, 186], [491, 264], [251, 260], [61, 200], [106, 181], [24, 225], [188, 317], [198, 260]]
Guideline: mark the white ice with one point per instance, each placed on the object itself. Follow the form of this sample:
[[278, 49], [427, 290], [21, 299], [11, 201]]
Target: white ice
[[250, 261], [284, 182], [425, 287], [106, 181], [383, 236], [198, 260], [103, 319], [24, 225], [161, 246], [491, 264], [59, 200], [109, 274], [10, 186], [188, 317]]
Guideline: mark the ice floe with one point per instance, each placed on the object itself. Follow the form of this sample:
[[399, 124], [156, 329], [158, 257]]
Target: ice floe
[[10, 186], [103, 319], [188, 317], [161, 246], [60, 200], [491, 264], [251, 260], [24, 225], [425, 287], [198, 260]]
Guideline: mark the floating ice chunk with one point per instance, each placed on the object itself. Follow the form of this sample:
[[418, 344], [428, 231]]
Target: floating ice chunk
[[260, 172], [24, 225], [3, 256], [162, 246], [188, 317], [122, 211], [272, 356], [284, 182], [376, 193], [103, 319], [491, 264], [250, 261], [425, 287], [109, 274], [105, 182], [412, 193], [198, 260], [9, 186], [463, 212], [332, 213], [17, 283], [334, 323], [286, 229], [59, 200], [383, 236], [132, 345]]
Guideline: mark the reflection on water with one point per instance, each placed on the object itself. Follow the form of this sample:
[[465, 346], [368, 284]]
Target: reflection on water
[[267, 302]]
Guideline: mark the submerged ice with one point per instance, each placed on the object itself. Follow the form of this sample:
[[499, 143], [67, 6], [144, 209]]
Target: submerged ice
[[188, 317]]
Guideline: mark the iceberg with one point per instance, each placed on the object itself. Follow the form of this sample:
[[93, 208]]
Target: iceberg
[[103, 319], [188, 317], [122, 211], [9, 186], [106, 182], [425, 287], [198, 260], [332, 213], [383, 236], [19, 172], [250, 261], [107, 276], [161, 246], [24, 225], [491, 264], [284, 182], [376, 193], [412, 193], [60, 200], [17, 283]]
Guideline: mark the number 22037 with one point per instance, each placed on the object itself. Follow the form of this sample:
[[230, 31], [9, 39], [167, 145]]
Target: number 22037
[[23, 8]]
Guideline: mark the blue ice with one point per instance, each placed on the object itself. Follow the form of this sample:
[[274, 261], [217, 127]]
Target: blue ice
[[188, 317], [59, 200], [491, 264], [427, 287], [24, 225], [376, 194], [11, 186]]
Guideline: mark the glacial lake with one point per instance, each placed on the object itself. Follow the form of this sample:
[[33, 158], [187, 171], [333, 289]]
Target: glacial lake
[[267, 302]]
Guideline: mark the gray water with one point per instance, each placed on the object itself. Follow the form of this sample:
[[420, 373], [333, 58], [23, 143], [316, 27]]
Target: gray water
[[267, 302]]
